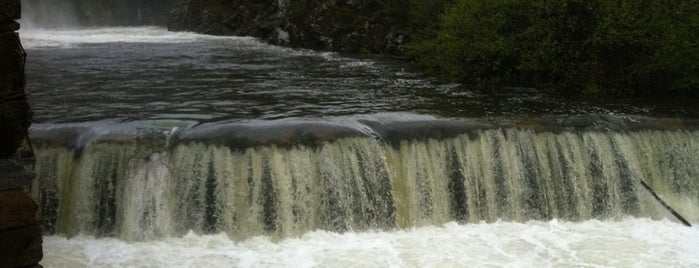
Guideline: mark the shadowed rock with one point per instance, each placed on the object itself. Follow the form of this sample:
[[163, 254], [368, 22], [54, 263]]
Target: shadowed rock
[[20, 235]]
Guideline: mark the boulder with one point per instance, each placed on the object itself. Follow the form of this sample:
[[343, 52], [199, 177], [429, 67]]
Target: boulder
[[20, 235], [9, 10], [20, 247], [17, 209], [11, 66], [13, 176], [9, 26], [14, 109]]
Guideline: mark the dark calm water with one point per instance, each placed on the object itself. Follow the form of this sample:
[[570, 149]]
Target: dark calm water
[[128, 74]]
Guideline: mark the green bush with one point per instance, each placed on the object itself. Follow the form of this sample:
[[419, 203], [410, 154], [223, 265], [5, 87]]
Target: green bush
[[574, 47]]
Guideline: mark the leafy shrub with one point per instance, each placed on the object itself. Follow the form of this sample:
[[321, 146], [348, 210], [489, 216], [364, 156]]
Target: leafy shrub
[[573, 47]]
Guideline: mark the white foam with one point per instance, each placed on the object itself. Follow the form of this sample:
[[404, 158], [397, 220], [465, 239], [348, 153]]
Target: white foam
[[626, 243], [35, 38], [67, 38]]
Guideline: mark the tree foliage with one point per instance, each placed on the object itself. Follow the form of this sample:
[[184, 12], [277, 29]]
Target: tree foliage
[[574, 47]]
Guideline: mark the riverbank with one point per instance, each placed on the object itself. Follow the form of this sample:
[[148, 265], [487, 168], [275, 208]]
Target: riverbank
[[343, 26], [589, 49]]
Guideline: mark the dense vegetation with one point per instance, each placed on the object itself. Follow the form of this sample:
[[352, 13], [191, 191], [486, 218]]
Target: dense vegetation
[[574, 47]]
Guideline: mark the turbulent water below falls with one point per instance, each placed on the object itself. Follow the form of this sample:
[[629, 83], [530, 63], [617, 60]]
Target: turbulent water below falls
[[625, 243], [177, 149]]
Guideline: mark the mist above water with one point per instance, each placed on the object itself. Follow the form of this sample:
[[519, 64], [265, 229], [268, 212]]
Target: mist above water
[[48, 14], [72, 14]]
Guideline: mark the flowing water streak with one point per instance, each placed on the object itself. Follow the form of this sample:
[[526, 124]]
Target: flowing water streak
[[136, 191]]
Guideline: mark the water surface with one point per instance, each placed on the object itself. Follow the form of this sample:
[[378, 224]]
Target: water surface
[[128, 74]]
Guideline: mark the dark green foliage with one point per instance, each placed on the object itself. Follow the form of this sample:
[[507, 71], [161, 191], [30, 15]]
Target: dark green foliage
[[424, 13], [573, 47]]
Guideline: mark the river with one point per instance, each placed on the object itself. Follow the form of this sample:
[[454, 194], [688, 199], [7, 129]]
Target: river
[[178, 150]]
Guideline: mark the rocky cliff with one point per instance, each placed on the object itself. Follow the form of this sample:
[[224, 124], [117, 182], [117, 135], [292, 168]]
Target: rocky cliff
[[20, 236], [352, 26]]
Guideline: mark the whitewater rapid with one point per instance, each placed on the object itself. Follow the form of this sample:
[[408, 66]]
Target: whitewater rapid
[[625, 243], [35, 38]]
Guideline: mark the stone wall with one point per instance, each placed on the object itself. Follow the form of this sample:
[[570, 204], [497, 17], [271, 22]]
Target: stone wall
[[20, 235]]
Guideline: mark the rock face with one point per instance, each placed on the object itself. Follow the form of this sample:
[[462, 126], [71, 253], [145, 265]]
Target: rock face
[[351, 26], [20, 235]]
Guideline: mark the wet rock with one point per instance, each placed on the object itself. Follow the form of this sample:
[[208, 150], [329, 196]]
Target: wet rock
[[9, 10], [20, 237], [11, 71], [14, 121], [396, 43], [14, 109], [20, 247], [13, 176], [16, 209], [10, 26], [349, 26]]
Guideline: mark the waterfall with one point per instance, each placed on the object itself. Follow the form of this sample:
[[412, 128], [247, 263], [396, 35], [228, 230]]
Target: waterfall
[[135, 190]]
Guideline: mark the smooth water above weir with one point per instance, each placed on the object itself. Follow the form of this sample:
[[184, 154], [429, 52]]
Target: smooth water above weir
[[147, 73], [148, 188]]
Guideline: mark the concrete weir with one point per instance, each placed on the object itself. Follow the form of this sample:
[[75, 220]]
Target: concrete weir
[[20, 235]]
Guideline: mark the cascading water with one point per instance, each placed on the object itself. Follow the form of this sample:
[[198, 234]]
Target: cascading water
[[163, 149], [145, 189]]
